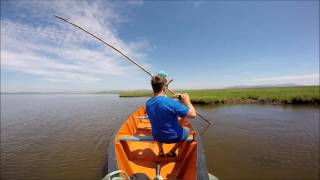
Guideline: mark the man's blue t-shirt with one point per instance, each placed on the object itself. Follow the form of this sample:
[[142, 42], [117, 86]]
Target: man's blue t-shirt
[[163, 113]]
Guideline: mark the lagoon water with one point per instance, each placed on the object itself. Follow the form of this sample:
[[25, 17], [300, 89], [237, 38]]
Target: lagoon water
[[66, 136]]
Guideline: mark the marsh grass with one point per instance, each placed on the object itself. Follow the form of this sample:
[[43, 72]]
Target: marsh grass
[[275, 95]]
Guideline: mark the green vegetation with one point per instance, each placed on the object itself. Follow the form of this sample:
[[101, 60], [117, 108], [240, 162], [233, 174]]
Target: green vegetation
[[274, 95], [136, 94]]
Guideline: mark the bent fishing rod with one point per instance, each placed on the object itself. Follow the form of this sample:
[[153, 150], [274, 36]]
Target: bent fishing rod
[[127, 57]]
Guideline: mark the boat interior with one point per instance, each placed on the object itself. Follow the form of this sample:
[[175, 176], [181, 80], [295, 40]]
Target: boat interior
[[137, 152]]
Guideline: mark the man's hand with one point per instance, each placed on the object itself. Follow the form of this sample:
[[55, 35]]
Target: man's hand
[[185, 99]]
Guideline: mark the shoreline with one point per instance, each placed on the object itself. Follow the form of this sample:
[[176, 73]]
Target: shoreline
[[252, 101], [245, 101], [268, 95]]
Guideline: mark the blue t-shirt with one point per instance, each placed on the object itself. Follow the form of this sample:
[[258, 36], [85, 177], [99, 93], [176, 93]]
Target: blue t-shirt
[[163, 113]]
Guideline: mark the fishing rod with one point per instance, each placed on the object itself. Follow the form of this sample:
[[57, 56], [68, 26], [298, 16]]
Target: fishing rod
[[131, 60]]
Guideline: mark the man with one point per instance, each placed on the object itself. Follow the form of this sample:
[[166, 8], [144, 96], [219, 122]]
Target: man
[[163, 113]]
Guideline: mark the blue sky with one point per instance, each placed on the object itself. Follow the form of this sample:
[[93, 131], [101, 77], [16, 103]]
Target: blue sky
[[200, 44]]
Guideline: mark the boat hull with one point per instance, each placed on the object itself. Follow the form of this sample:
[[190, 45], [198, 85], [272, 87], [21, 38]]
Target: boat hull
[[133, 150]]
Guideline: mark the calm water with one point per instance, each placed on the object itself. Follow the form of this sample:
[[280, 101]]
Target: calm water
[[66, 137]]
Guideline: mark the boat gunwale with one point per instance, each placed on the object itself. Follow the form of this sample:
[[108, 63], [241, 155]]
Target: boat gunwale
[[202, 170]]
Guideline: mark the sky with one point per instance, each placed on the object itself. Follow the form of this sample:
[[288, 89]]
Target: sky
[[199, 44]]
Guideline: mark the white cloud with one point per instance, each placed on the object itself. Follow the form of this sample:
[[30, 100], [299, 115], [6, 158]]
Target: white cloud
[[306, 79], [37, 43]]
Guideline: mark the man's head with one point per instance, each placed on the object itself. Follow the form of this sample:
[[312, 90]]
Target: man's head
[[158, 83]]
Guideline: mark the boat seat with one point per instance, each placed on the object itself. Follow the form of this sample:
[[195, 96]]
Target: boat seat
[[144, 126], [141, 117], [144, 138]]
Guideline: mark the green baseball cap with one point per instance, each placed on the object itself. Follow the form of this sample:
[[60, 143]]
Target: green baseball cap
[[162, 74]]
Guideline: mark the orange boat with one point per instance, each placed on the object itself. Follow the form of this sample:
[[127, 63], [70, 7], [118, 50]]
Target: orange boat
[[134, 152]]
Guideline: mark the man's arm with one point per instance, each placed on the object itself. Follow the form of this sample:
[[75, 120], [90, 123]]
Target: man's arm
[[185, 99]]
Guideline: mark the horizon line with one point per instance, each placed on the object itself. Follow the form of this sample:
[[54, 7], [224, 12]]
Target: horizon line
[[116, 91]]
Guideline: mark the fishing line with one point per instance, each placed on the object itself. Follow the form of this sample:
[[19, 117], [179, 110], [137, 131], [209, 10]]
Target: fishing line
[[124, 55]]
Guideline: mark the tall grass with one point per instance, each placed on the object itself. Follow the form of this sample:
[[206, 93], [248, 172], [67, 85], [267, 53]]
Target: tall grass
[[287, 95]]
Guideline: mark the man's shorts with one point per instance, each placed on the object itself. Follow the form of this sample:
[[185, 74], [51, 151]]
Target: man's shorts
[[185, 134]]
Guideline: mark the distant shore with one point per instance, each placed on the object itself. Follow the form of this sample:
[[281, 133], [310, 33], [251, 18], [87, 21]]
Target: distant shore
[[264, 95]]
